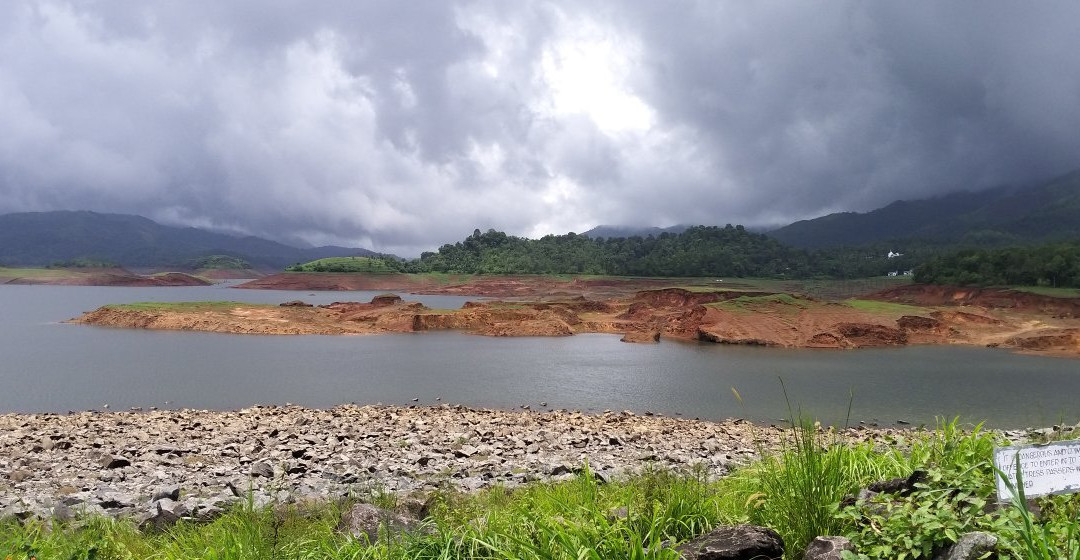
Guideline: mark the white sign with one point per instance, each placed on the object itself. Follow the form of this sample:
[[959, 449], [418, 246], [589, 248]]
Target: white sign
[[1053, 468]]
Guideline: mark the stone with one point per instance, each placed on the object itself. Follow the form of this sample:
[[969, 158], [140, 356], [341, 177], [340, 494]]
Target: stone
[[170, 492], [970, 546], [741, 542], [366, 520], [160, 516], [19, 475], [114, 500], [263, 469], [827, 548], [114, 462]]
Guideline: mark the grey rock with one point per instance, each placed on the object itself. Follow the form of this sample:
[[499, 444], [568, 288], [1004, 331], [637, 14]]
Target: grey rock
[[827, 548], [114, 462], [114, 500], [366, 521], [969, 546], [159, 517], [560, 470], [742, 542], [19, 475], [262, 469], [171, 492]]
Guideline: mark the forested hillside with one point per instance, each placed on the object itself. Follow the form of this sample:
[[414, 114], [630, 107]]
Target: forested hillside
[[698, 251], [1053, 265]]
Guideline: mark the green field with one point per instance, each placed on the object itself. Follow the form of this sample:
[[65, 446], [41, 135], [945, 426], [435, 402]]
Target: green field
[[874, 306], [36, 273]]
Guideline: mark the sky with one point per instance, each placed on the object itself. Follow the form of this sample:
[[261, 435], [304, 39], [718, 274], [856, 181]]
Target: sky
[[400, 126]]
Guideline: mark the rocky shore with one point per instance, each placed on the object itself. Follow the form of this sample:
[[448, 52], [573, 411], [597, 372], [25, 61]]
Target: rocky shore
[[189, 463]]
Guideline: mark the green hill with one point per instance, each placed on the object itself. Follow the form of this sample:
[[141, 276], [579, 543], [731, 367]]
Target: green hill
[[43, 238]]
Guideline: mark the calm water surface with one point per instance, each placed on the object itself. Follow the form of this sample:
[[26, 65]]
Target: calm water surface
[[49, 366]]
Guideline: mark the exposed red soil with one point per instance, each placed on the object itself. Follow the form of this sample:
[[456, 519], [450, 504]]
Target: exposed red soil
[[726, 317], [988, 298]]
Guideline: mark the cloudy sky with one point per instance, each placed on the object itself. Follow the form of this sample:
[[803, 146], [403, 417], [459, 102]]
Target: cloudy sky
[[400, 126]]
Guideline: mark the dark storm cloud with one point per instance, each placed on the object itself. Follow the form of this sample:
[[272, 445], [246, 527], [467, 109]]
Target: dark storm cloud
[[401, 126]]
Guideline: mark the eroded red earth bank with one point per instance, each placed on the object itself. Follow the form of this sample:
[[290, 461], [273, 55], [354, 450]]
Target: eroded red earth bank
[[632, 308]]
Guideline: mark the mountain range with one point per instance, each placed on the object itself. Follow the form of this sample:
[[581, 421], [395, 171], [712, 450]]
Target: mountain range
[[1048, 211], [44, 238]]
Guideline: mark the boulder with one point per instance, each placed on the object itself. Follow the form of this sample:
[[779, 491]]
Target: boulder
[[365, 520], [741, 542], [827, 548], [170, 492], [114, 462], [641, 337], [386, 299], [262, 468], [969, 546]]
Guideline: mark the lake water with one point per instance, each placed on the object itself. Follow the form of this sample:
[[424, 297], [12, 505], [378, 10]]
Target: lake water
[[46, 365]]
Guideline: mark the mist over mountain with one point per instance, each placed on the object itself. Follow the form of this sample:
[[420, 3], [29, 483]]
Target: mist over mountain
[[43, 238], [609, 232], [1049, 211]]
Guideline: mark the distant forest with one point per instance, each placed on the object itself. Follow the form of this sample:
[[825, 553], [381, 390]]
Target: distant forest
[[1053, 265], [729, 251]]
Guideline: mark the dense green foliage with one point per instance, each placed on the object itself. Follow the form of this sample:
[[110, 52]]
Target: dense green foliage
[[730, 251], [348, 264], [83, 263], [1054, 265], [798, 492], [228, 262]]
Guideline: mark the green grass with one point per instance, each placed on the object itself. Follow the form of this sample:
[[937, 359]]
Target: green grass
[[874, 306], [36, 273], [748, 304], [186, 306]]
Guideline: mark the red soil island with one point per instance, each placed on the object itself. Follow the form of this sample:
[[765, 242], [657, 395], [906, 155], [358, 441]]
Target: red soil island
[[546, 306]]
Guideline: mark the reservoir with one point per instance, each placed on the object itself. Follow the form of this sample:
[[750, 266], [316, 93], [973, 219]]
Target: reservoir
[[49, 366]]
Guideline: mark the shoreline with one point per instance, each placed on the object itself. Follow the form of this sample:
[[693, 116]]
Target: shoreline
[[120, 463]]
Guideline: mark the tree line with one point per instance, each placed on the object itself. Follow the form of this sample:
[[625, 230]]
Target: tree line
[[729, 251], [1054, 265]]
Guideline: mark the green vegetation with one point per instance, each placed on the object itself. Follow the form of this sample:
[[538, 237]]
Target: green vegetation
[[701, 251], [1056, 265], [874, 306], [369, 265], [182, 306], [36, 273], [748, 304], [800, 492], [227, 262], [84, 263]]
